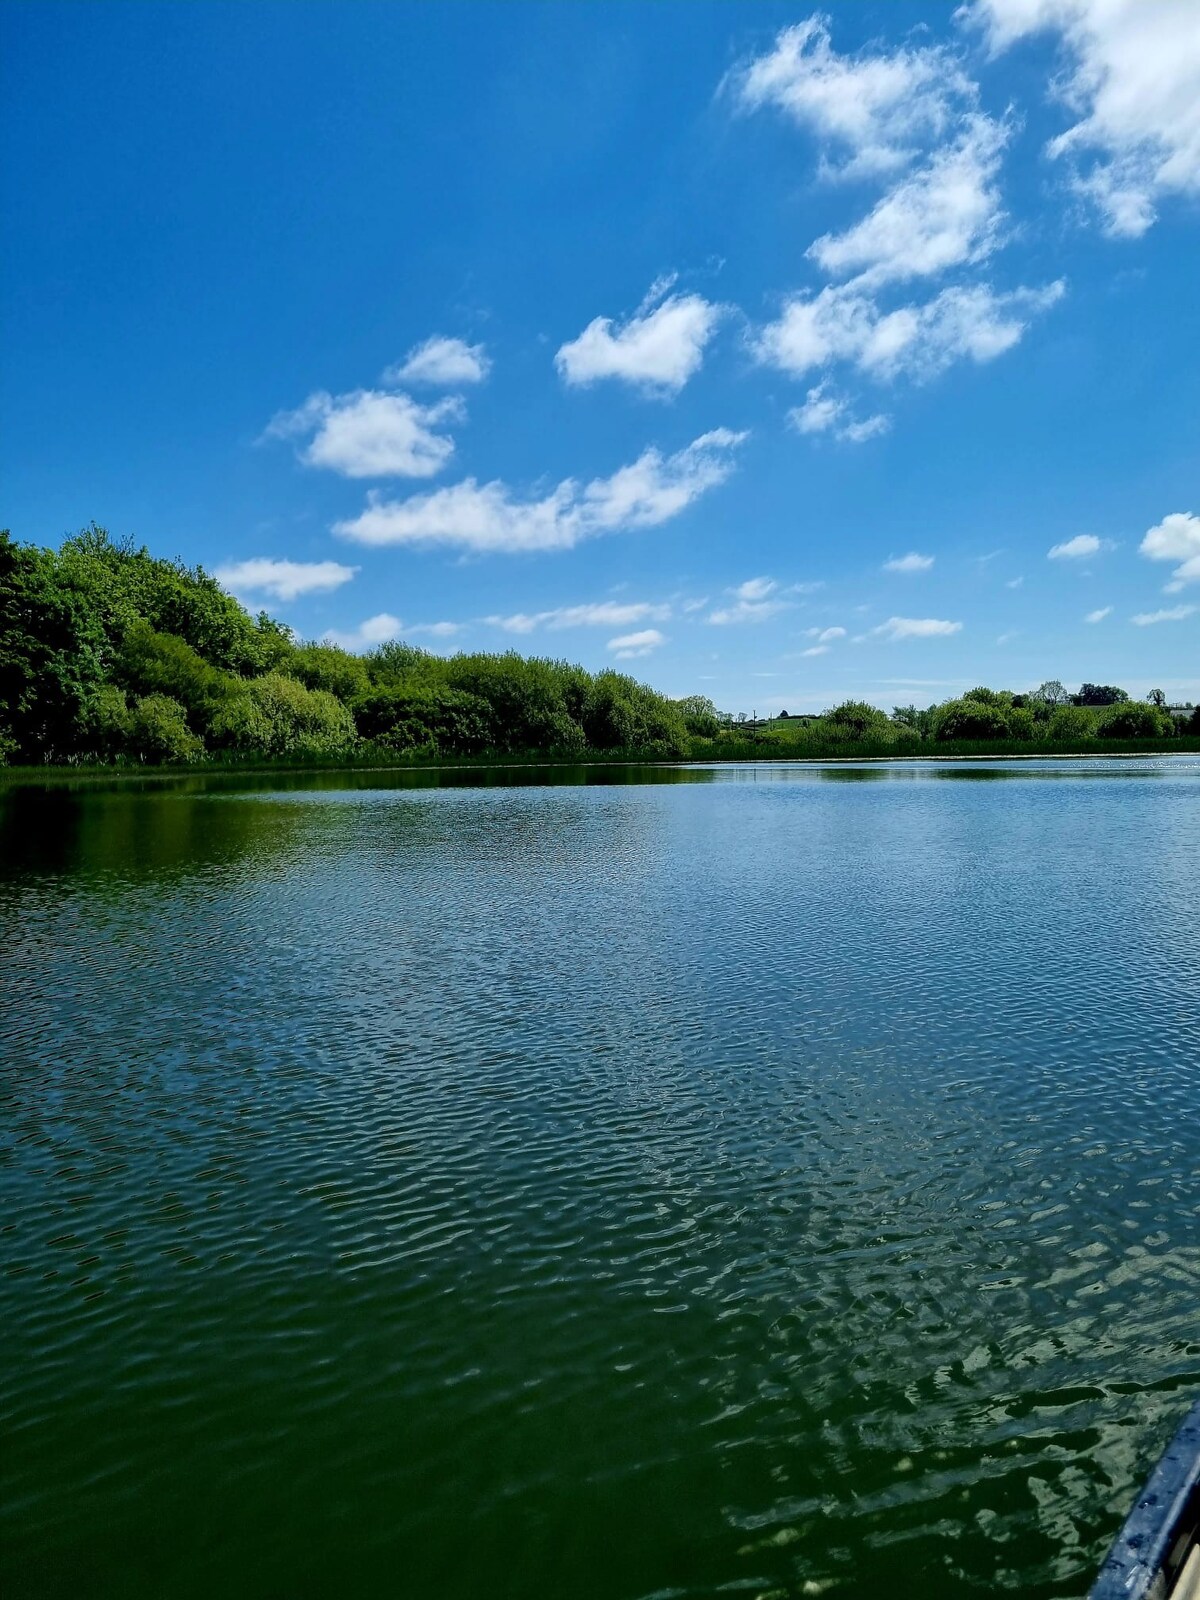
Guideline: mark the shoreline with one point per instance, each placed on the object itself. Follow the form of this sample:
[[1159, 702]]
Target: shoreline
[[13, 777]]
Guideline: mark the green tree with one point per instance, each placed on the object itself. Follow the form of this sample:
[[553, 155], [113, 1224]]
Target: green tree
[[157, 731], [425, 717], [970, 719], [1133, 720], [278, 716], [52, 654]]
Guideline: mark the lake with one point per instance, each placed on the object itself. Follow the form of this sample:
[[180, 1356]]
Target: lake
[[767, 1181]]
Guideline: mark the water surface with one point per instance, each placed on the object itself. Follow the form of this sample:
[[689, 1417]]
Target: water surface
[[755, 1181]]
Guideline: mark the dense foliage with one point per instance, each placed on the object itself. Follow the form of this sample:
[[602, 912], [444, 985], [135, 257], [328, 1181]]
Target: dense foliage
[[107, 653]]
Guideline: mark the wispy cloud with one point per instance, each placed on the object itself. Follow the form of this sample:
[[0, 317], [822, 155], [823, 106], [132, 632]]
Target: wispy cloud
[[755, 600], [846, 324], [825, 412], [1145, 619], [874, 110], [442, 363], [1132, 76], [370, 433], [1079, 548], [657, 349], [282, 580], [912, 562], [629, 646], [824, 636], [602, 613], [375, 630], [491, 518], [944, 215], [896, 628], [1099, 614]]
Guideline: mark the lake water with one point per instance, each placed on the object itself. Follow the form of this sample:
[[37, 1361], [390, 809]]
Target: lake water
[[757, 1181]]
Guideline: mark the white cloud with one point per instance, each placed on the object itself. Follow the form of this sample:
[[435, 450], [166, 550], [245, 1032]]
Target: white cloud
[[1133, 80], [375, 630], [816, 650], [283, 580], [914, 628], [912, 562], [946, 214], [1176, 538], [602, 613], [1099, 615], [876, 105], [755, 600], [1014, 583], [1078, 548], [844, 324], [823, 412], [438, 630], [489, 518], [370, 434], [445, 363], [659, 348], [631, 645], [755, 589], [1175, 614], [824, 635]]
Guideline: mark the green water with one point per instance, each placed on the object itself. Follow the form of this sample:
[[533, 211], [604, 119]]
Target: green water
[[754, 1181]]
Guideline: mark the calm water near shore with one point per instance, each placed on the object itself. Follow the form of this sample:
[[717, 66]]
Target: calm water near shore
[[597, 1184]]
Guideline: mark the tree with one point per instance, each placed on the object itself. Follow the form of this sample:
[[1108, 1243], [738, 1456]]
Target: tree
[[157, 731], [1157, 698], [970, 719], [1132, 720], [425, 717], [1049, 695], [1099, 694], [53, 653], [859, 720]]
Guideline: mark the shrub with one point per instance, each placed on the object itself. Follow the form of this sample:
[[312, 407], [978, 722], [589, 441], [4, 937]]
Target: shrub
[[426, 716], [278, 716], [1134, 720], [1021, 723], [1071, 724], [971, 719], [157, 731], [329, 667], [150, 662], [856, 720]]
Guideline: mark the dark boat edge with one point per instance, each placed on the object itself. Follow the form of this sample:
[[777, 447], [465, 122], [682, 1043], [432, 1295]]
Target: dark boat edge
[[1162, 1529]]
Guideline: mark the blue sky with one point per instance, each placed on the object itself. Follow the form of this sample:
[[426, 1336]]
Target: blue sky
[[773, 354]]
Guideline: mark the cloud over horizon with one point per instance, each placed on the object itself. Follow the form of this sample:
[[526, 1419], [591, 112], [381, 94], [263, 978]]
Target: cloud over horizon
[[491, 519]]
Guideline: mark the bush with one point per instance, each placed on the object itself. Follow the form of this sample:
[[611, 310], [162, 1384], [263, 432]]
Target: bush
[[329, 667], [1071, 724], [1134, 720], [856, 720], [150, 662], [971, 719], [425, 717], [278, 716], [156, 731], [700, 717], [1021, 723]]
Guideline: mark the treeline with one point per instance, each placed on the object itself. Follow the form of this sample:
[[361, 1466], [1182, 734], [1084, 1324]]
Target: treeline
[[1048, 716], [109, 654]]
